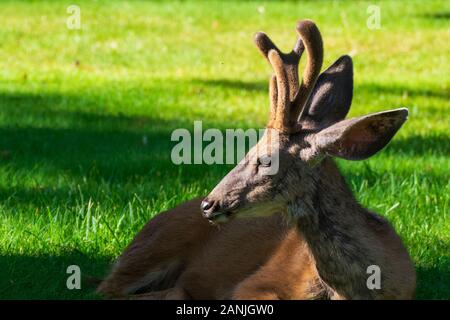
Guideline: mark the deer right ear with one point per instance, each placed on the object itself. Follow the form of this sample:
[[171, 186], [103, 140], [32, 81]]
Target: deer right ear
[[359, 138]]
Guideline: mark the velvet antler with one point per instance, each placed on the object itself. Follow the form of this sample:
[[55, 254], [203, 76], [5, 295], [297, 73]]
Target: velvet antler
[[287, 97]]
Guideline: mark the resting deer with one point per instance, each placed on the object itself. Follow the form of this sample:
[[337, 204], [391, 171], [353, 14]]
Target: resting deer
[[295, 234]]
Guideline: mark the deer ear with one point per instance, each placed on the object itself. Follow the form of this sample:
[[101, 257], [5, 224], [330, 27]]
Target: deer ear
[[359, 138], [332, 95]]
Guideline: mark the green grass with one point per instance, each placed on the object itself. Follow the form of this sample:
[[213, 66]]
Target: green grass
[[76, 180]]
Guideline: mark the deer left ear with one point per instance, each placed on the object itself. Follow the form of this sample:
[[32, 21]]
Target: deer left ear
[[331, 98], [359, 138]]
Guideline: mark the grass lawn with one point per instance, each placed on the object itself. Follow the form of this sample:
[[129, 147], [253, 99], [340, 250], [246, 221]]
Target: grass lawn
[[77, 180]]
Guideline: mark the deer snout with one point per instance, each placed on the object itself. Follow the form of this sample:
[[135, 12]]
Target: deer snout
[[214, 211], [209, 208]]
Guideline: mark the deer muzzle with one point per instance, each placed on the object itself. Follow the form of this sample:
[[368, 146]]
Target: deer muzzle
[[214, 212]]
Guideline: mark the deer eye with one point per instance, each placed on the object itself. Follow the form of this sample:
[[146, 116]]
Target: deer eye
[[264, 161]]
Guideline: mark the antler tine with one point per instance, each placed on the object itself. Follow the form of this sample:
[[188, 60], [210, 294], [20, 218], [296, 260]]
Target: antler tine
[[284, 84], [273, 94], [281, 118], [298, 48], [290, 60], [312, 40], [264, 44]]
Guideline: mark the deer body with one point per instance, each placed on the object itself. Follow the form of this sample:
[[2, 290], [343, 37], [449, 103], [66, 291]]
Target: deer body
[[296, 233], [179, 255]]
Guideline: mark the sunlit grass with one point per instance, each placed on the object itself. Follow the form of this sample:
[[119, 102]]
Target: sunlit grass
[[77, 180]]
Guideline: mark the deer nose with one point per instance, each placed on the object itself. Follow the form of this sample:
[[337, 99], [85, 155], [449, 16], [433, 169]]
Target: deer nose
[[209, 207]]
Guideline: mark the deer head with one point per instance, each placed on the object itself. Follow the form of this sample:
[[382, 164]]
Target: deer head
[[306, 125]]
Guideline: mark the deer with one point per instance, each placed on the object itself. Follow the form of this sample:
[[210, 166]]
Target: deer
[[298, 233]]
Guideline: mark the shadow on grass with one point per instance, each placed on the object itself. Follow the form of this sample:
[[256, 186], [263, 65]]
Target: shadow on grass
[[366, 88], [259, 86], [438, 15], [42, 140], [399, 90], [45, 277], [111, 149], [433, 282], [115, 147]]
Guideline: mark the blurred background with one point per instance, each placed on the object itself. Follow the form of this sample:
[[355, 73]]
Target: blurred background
[[90, 94]]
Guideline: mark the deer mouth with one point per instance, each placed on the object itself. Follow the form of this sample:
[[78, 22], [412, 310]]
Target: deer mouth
[[222, 217]]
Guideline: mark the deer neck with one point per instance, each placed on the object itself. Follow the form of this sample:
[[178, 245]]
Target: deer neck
[[332, 222]]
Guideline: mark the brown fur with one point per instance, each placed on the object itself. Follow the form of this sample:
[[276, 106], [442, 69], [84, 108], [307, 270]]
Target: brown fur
[[355, 239], [251, 258]]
